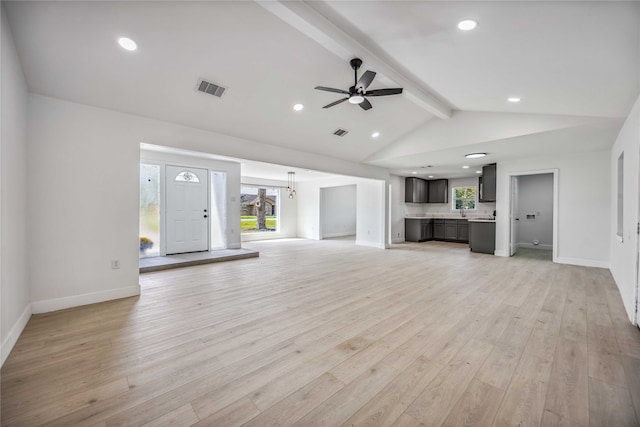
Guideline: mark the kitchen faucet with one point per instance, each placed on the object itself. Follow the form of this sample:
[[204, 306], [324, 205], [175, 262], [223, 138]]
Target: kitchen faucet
[[462, 211]]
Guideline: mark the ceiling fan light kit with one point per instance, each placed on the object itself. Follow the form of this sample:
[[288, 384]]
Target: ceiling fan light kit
[[357, 94]]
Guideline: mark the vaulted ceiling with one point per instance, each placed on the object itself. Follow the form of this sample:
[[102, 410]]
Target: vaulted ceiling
[[575, 65]]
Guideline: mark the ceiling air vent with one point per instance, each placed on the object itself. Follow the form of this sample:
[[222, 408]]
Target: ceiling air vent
[[341, 132], [211, 88]]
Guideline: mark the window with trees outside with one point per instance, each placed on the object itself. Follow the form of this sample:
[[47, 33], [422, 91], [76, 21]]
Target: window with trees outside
[[259, 209], [464, 198]]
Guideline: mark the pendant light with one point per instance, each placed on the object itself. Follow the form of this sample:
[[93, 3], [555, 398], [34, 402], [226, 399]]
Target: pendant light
[[291, 184]]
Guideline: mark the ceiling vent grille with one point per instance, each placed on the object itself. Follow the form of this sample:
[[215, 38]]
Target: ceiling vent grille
[[340, 132], [211, 88]]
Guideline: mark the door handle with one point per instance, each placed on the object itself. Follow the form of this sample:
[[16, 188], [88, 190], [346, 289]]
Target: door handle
[[205, 216]]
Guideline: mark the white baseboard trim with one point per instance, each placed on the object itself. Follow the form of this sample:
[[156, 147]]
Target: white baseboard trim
[[397, 240], [532, 246], [343, 234], [501, 253], [582, 262], [629, 305], [45, 306], [370, 244], [14, 334]]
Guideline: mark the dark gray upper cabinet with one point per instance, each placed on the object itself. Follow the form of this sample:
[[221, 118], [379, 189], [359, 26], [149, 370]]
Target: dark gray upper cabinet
[[487, 183], [438, 191], [415, 190]]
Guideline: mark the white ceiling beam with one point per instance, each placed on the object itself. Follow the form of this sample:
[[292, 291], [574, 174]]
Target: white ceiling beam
[[313, 19]]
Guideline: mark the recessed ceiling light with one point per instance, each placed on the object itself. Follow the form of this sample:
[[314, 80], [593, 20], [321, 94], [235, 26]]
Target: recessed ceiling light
[[467, 24], [513, 99], [414, 172], [465, 167], [478, 171], [475, 155], [127, 44], [375, 134], [430, 176], [298, 107]]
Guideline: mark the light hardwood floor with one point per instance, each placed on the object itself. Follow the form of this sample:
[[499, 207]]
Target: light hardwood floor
[[328, 333]]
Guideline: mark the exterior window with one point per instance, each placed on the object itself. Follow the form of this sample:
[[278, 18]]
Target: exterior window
[[259, 209], [464, 198], [187, 177], [149, 210]]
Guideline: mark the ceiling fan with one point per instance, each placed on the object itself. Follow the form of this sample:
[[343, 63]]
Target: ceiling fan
[[358, 92]]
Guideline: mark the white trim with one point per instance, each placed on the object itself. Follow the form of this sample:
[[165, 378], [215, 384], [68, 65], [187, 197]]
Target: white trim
[[582, 262], [626, 303], [532, 246], [15, 333], [341, 234], [370, 244], [45, 306], [501, 253], [398, 240]]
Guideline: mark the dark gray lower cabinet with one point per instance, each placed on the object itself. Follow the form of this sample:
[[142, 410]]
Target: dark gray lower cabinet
[[423, 229], [482, 237], [451, 229], [417, 229], [438, 229], [463, 230]]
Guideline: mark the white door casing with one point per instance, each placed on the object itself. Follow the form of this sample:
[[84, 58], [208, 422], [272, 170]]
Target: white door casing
[[187, 214], [513, 215]]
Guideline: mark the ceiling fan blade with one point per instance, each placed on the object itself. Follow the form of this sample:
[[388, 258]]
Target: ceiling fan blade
[[384, 92], [365, 105], [335, 103], [330, 89], [365, 80]]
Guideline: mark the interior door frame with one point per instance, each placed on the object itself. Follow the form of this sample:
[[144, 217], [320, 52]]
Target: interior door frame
[[555, 173]]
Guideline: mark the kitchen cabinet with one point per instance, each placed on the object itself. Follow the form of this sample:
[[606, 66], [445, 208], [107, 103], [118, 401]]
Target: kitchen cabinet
[[463, 231], [451, 229], [482, 237], [438, 191], [417, 229], [438, 229], [416, 190], [487, 184]]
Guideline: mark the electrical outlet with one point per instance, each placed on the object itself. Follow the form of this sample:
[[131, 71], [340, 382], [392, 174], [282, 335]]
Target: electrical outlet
[[115, 264]]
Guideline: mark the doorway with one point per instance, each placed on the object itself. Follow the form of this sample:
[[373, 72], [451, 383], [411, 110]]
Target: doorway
[[187, 213], [533, 215], [338, 212]]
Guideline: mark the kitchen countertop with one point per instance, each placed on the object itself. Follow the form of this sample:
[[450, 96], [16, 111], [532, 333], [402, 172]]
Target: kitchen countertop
[[473, 219]]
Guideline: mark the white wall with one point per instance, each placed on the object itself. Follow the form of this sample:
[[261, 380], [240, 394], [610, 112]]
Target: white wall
[[371, 199], [338, 211], [232, 170], [15, 308], [83, 195], [536, 197], [583, 208], [624, 253], [288, 215]]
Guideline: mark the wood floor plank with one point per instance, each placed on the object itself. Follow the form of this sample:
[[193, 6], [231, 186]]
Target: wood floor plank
[[298, 404], [568, 395], [523, 403], [610, 405], [432, 406], [476, 407], [455, 338], [385, 407]]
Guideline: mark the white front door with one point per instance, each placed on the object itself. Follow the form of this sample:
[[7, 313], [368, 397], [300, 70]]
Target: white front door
[[187, 210]]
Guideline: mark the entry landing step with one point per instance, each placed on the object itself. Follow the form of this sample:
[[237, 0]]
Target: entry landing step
[[195, 258]]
